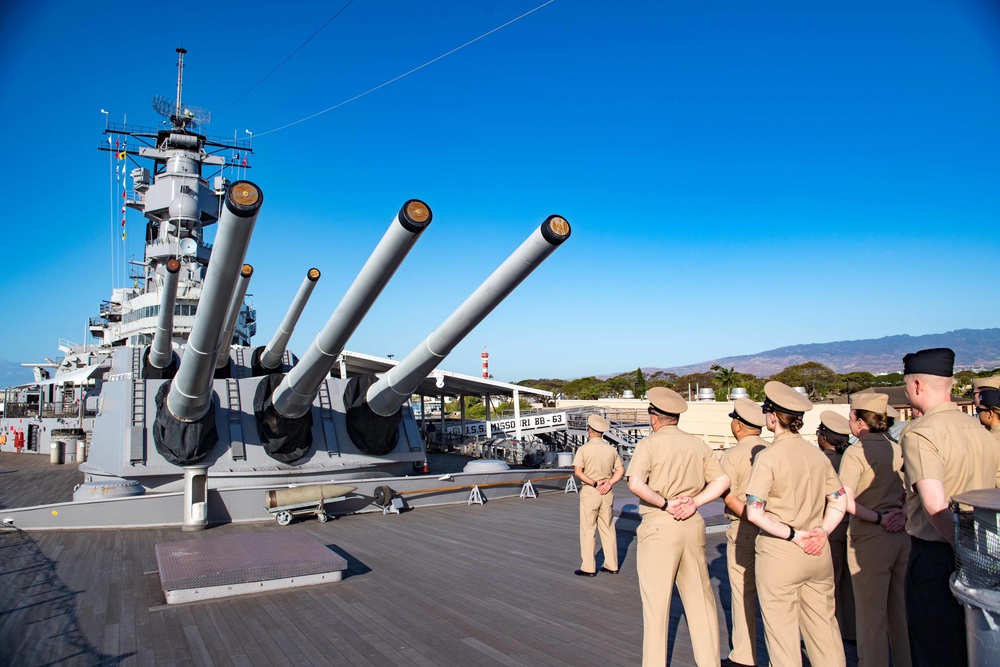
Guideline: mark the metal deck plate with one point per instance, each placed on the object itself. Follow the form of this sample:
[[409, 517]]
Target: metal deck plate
[[224, 565]]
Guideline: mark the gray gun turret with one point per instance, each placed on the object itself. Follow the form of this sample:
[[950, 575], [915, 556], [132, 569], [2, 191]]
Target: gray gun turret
[[160, 360], [283, 406], [233, 314], [184, 429], [269, 359], [373, 406]]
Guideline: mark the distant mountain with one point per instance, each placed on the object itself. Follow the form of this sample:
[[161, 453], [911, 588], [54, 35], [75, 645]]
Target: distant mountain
[[974, 349]]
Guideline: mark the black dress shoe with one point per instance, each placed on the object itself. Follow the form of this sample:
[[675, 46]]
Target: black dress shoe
[[726, 662], [582, 573], [604, 569]]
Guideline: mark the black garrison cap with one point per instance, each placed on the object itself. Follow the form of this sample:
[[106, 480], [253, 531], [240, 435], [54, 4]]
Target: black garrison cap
[[989, 398], [935, 361]]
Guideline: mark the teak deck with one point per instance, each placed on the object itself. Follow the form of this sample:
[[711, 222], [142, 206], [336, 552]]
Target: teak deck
[[456, 585]]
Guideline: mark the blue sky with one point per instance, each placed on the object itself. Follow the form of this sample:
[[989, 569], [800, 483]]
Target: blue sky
[[739, 176]]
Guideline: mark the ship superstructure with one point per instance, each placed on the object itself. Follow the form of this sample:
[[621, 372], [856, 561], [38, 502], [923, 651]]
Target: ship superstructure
[[173, 398], [180, 193]]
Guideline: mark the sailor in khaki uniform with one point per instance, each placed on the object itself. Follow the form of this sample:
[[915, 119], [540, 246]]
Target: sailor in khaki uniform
[[796, 499], [833, 437], [673, 473], [872, 474], [978, 384], [747, 423], [989, 416], [599, 467], [945, 453]]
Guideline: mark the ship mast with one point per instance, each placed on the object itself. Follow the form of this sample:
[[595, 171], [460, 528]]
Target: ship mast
[[180, 83]]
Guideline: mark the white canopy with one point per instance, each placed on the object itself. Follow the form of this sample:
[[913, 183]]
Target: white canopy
[[77, 377]]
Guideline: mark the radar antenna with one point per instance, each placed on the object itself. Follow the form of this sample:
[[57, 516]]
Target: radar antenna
[[182, 118]]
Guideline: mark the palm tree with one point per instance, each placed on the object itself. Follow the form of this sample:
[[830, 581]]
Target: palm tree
[[724, 376]]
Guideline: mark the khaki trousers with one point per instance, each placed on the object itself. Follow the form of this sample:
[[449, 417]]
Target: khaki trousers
[[740, 557], [673, 552], [878, 571], [595, 511], [796, 596]]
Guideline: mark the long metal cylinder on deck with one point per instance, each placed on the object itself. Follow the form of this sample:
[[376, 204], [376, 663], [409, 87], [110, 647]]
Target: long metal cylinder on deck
[[160, 352], [235, 304], [312, 493], [293, 397], [395, 387], [191, 390], [275, 350]]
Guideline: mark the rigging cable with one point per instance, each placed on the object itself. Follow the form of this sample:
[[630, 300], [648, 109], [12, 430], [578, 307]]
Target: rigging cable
[[405, 74], [299, 48]]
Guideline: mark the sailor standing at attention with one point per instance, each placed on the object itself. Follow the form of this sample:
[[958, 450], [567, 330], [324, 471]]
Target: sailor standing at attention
[[945, 452], [673, 473], [872, 474], [599, 467], [746, 425], [796, 499]]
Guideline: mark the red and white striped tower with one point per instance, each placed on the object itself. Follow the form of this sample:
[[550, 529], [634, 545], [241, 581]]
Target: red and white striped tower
[[486, 364]]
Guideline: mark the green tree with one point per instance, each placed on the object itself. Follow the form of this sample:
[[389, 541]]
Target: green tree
[[695, 381], [619, 384], [815, 377], [507, 407], [723, 381], [588, 388], [553, 385], [640, 383], [474, 408], [853, 382], [889, 380]]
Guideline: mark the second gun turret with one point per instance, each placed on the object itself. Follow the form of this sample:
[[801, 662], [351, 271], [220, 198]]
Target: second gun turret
[[282, 405], [372, 406]]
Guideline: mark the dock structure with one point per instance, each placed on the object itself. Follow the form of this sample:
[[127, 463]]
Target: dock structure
[[489, 584]]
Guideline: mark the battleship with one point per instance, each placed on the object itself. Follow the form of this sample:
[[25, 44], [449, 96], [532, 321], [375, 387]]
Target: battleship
[[181, 420]]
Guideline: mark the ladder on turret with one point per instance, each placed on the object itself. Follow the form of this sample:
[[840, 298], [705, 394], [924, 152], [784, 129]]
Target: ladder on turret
[[137, 423], [326, 419], [236, 445]]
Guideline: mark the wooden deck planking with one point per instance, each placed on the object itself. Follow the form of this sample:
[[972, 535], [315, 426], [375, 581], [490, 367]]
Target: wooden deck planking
[[457, 585]]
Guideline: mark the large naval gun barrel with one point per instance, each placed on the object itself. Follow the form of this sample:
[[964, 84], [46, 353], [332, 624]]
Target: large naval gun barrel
[[184, 430], [270, 356], [373, 407], [233, 314], [284, 418], [160, 353]]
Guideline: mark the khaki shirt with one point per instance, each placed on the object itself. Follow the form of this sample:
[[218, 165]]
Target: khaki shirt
[[951, 447], [598, 459], [873, 469], [794, 478], [736, 462], [673, 463], [995, 432]]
